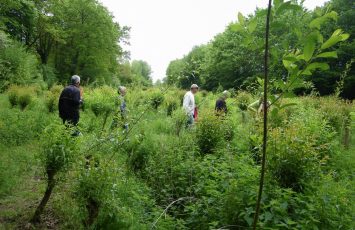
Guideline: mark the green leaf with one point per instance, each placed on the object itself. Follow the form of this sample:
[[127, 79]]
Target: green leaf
[[331, 42], [241, 19], [252, 25], [236, 27], [337, 36], [309, 49], [332, 54], [290, 58], [317, 22], [313, 66], [287, 6], [344, 37]]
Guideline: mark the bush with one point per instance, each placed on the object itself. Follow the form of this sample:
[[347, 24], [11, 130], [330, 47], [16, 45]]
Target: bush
[[102, 101], [243, 100], [299, 149], [24, 100], [156, 100], [17, 128], [139, 149], [20, 66], [171, 105], [109, 198], [20, 95], [13, 97], [59, 151], [52, 98], [51, 102], [209, 133]]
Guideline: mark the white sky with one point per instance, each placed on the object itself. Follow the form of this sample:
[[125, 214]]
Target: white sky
[[163, 30]]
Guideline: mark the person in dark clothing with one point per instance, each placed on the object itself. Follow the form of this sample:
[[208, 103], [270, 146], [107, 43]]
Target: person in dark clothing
[[69, 102], [221, 106]]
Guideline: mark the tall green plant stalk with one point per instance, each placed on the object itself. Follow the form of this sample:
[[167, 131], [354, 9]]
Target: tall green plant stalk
[[266, 78]]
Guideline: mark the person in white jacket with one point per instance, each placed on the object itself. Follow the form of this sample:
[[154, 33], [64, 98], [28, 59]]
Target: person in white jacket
[[189, 104]]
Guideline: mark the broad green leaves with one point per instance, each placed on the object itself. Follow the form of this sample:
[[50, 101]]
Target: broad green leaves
[[314, 66], [244, 25], [316, 23], [287, 6], [241, 19], [236, 27], [332, 54], [252, 25], [309, 49], [337, 36]]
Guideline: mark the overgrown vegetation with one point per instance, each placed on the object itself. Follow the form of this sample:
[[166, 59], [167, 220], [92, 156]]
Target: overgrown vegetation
[[159, 173], [205, 177]]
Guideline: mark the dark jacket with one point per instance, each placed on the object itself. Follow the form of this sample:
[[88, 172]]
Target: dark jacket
[[221, 106], [69, 103]]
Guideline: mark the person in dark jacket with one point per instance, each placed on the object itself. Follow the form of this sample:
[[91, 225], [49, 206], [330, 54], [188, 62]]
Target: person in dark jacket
[[221, 106], [69, 102]]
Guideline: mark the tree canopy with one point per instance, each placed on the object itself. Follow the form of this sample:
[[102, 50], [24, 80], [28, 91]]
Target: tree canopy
[[234, 58], [68, 37]]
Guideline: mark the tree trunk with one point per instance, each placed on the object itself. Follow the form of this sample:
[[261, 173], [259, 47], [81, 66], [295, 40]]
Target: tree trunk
[[47, 195]]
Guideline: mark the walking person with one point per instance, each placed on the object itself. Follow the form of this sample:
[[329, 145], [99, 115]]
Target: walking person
[[122, 109], [69, 103], [221, 105], [189, 104]]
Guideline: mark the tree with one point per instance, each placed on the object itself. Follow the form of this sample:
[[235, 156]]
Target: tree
[[188, 70], [17, 18], [91, 46], [70, 37], [141, 71], [326, 81]]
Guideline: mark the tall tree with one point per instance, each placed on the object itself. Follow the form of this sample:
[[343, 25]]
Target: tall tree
[[141, 71]]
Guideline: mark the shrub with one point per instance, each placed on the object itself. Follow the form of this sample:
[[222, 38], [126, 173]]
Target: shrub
[[333, 201], [209, 133], [51, 102], [139, 149], [21, 95], [24, 100], [243, 100], [102, 102], [179, 118], [171, 105], [299, 149], [109, 198], [156, 100], [13, 97], [21, 64], [59, 150], [52, 98]]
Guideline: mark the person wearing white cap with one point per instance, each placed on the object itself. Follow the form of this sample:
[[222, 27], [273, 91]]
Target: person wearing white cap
[[189, 104], [69, 102]]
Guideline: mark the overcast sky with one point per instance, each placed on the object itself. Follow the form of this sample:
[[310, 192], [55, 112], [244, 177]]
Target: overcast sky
[[163, 30]]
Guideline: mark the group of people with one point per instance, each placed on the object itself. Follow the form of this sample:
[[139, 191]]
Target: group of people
[[71, 99], [190, 107]]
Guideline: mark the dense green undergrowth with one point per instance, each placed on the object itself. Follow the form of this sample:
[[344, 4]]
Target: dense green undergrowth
[[162, 175]]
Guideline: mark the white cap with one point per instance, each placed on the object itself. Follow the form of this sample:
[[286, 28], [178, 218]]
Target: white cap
[[121, 88], [194, 86], [75, 79]]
